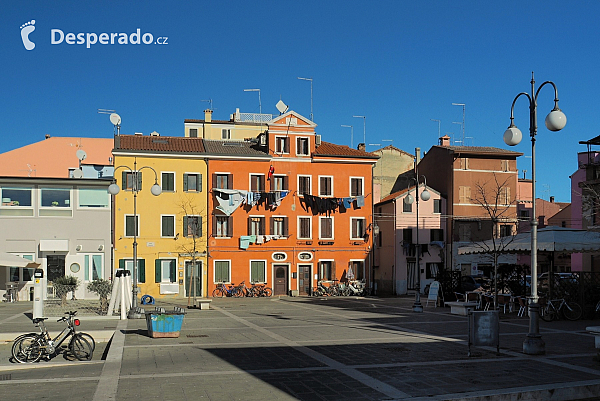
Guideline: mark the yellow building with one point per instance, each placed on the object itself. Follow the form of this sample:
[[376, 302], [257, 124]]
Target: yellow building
[[240, 126], [171, 232]]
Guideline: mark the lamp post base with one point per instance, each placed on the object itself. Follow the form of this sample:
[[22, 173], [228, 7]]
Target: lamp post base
[[417, 306], [533, 344], [134, 314]]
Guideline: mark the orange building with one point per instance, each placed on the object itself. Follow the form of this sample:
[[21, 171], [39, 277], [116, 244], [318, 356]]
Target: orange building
[[288, 210]]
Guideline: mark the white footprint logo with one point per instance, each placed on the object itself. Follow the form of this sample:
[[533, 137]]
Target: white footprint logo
[[26, 29]]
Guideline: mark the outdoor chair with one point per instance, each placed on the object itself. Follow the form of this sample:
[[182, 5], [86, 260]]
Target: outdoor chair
[[522, 307], [474, 297], [460, 297]]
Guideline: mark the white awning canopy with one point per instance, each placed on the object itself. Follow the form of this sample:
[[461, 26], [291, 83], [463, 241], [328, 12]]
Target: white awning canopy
[[8, 259], [549, 239]]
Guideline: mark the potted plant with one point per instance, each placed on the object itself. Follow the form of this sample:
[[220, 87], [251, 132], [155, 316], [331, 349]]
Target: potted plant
[[64, 285], [54, 203], [103, 288]]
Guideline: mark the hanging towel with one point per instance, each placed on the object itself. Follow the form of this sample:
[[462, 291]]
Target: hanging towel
[[347, 202], [360, 201], [229, 199], [244, 242]]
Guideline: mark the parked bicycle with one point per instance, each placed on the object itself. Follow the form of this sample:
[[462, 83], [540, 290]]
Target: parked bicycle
[[224, 290], [570, 310], [259, 290], [32, 347]]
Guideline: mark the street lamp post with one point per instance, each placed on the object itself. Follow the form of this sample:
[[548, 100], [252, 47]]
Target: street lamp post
[[114, 189], [555, 121], [425, 196]]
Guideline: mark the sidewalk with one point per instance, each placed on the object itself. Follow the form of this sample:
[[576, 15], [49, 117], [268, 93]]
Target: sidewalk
[[318, 349]]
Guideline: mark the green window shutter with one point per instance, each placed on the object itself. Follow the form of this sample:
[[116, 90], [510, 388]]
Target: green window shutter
[[86, 269], [124, 180], [221, 271], [199, 182], [157, 271], [185, 182], [199, 228], [257, 272], [121, 263], [141, 270], [185, 226], [173, 271], [139, 181]]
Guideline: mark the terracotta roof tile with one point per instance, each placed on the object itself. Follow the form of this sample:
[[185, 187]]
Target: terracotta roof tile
[[479, 150], [330, 149], [169, 144], [234, 148]]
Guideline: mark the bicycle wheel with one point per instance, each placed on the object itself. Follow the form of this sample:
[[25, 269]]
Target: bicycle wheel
[[218, 292], [266, 292], [237, 292], [81, 348], [572, 311], [89, 339], [27, 349], [547, 314]]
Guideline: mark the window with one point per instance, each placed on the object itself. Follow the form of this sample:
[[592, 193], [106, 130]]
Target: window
[[282, 144], [464, 194], [326, 270], [464, 163], [167, 226], [279, 226], [432, 270], [505, 230], [464, 232], [93, 267], [165, 270], [91, 197], [407, 235], [406, 207], [304, 185], [304, 228], [225, 133], [223, 181], [223, 226], [258, 271], [222, 271], [358, 269], [167, 182], [436, 234], [358, 228], [524, 214], [325, 227], [193, 132], [302, 148], [325, 186], [131, 222], [257, 182], [437, 206], [504, 196], [56, 197], [127, 264], [192, 182], [192, 226], [256, 225], [16, 196], [279, 183], [127, 178], [505, 165], [356, 186]]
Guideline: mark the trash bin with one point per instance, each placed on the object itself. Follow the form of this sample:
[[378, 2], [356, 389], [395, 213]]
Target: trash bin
[[164, 324]]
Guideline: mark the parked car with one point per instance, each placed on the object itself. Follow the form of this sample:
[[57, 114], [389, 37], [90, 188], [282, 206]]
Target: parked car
[[468, 283]]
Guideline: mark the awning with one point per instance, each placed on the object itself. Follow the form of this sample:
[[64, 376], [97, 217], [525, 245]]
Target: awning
[[8, 259]]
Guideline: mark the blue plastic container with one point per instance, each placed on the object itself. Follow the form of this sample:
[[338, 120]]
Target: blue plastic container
[[161, 325]]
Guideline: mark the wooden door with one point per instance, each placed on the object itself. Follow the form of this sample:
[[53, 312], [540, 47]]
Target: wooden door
[[280, 284], [304, 281]]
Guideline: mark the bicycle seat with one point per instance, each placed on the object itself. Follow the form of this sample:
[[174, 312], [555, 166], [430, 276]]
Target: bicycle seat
[[39, 319]]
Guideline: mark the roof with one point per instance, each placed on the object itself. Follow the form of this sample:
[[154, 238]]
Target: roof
[[393, 148], [167, 144], [198, 121], [480, 150], [593, 141], [329, 149], [234, 148], [53, 157]]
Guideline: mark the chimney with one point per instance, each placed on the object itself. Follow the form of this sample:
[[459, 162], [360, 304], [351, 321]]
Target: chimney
[[362, 147], [552, 199], [208, 115], [418, 154], [445, 140], [47, 136]]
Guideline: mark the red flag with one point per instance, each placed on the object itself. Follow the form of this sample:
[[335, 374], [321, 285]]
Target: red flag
[[271, 171]]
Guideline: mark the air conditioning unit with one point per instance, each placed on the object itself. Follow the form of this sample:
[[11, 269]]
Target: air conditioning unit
[[317, 140]]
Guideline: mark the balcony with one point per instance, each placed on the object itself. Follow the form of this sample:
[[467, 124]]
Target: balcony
[[253, 118]]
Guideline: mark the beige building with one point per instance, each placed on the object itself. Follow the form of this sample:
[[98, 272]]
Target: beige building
[[393, 163], [239, 127]]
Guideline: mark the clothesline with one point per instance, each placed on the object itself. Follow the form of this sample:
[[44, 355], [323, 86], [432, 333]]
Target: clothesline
[[231, 199], [329, 205]]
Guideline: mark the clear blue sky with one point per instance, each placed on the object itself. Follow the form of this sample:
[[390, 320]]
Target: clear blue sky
[[399, 63]]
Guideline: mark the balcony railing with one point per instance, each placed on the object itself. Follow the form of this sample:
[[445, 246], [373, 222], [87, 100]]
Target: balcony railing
[[253, 117]]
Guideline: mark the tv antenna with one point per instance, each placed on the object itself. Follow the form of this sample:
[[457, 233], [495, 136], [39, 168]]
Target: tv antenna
[[210, 103], [115, 119], [463, 121]]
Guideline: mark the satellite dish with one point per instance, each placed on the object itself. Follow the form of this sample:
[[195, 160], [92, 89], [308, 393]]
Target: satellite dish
[[81, 155], [282, 107], [77, 173], [115, 119]]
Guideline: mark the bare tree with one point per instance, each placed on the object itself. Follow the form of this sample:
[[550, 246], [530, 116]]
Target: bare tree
[[495, 198], [191, 243], [590, 204]]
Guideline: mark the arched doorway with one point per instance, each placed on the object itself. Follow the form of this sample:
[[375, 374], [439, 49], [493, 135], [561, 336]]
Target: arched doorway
[[281, 279]]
